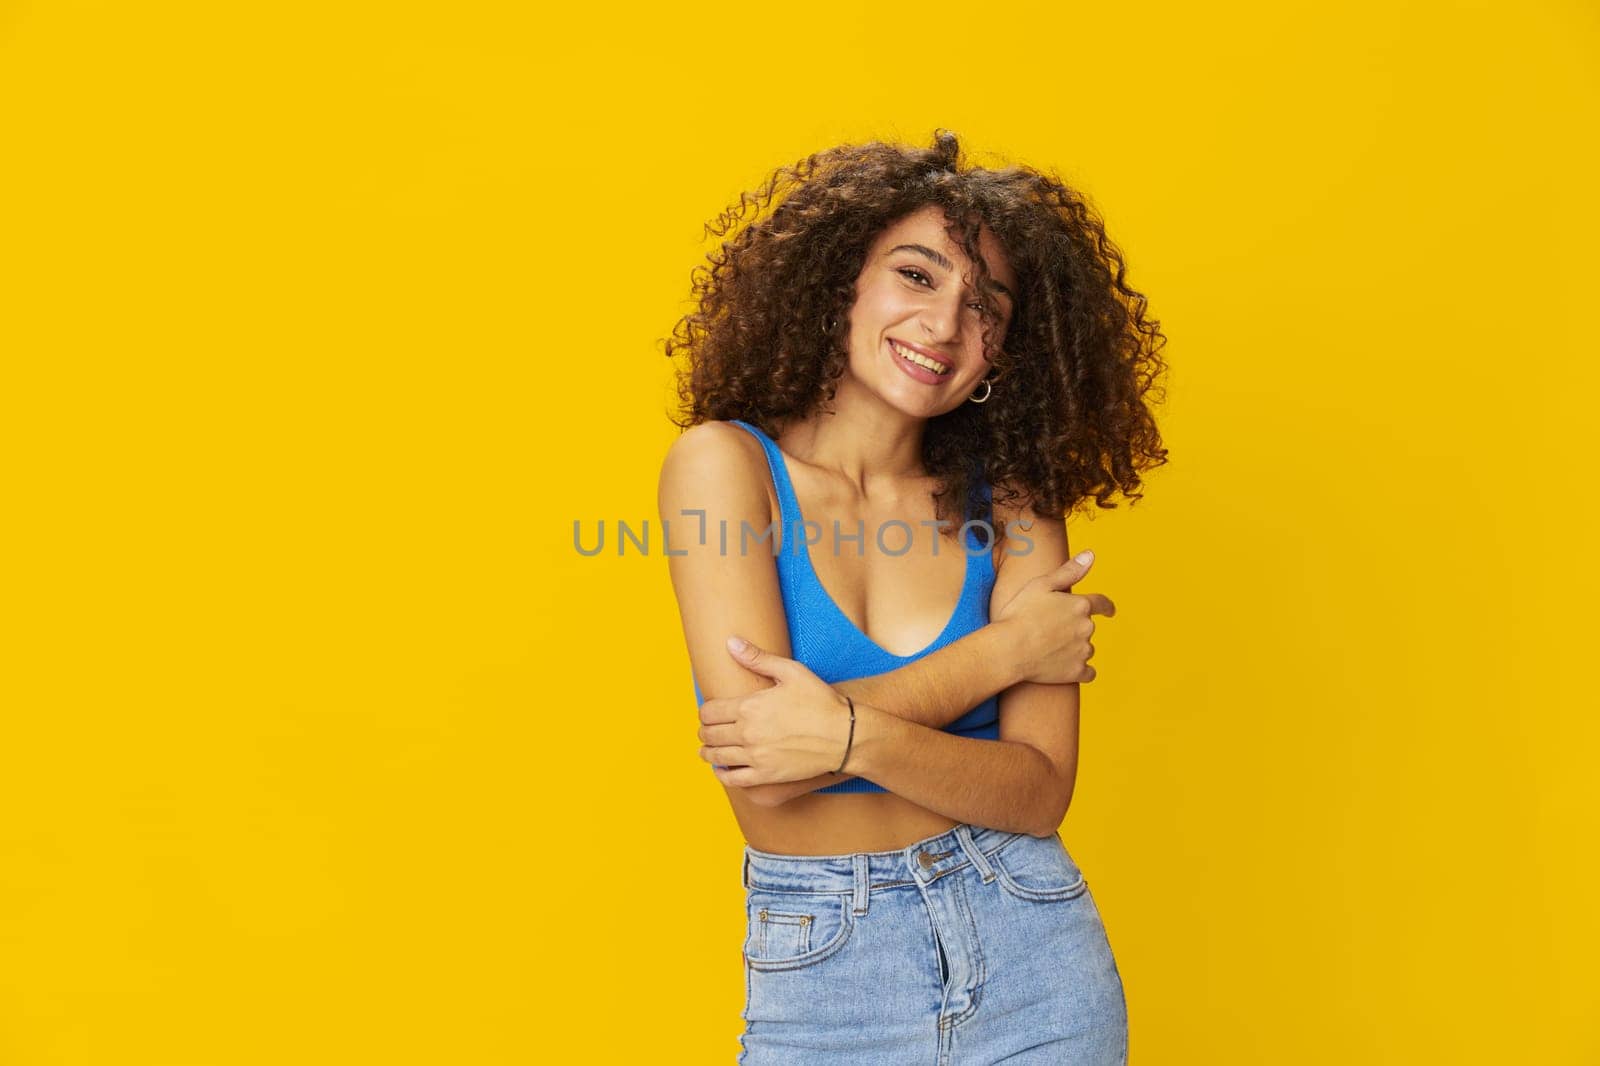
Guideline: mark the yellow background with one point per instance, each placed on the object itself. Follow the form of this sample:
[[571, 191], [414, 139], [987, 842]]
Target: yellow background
[[322, 325]]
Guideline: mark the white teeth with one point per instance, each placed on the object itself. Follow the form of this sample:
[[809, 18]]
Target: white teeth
[[919, 359]]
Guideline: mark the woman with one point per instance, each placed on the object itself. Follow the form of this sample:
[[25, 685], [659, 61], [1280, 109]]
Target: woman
[[900, 379]]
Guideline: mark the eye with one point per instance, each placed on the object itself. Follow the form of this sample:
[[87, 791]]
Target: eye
[[913, 273]]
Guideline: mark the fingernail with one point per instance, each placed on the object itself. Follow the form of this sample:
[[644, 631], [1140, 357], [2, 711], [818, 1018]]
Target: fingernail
[[1085, 557], [737, 644]]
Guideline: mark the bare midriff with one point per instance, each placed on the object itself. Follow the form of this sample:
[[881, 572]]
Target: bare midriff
[[837, 823]]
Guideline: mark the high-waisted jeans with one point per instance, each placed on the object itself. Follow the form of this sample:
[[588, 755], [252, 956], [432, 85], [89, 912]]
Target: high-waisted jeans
[[968, 948]]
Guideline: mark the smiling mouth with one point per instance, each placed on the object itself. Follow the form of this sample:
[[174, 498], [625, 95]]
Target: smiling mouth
[[918, 359]]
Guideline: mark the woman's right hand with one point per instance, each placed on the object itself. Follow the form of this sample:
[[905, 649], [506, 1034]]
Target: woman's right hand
[[1052, 627]]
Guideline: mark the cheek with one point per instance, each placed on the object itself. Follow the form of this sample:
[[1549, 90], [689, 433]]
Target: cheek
[[884, 301]]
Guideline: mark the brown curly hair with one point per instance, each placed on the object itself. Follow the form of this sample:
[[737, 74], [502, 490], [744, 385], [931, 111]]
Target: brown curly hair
[[1067, 421]]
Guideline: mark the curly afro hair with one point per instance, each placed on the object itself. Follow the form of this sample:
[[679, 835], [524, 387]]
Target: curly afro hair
[[1067, 421]]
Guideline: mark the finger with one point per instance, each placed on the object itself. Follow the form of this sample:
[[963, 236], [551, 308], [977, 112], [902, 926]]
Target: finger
[[1099, 604], [725, 755], [722, 709], [740, 777], [715, 735], [1088, 672], [763, 662], [1063, 577]]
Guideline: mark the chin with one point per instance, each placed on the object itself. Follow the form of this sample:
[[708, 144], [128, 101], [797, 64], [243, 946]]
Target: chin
[[924, 406]]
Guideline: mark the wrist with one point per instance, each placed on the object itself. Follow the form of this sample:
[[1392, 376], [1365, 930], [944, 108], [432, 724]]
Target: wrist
[[874, 738], [1011, 649], [846, 703]]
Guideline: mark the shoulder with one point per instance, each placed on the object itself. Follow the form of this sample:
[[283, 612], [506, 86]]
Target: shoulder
[[712, 450], [1025, 538], [717, 463]]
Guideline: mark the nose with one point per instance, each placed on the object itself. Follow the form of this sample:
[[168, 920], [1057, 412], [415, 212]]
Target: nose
[[941, 319]]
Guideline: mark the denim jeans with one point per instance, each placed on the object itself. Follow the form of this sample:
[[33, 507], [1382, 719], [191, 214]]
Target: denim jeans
[[968, 948]]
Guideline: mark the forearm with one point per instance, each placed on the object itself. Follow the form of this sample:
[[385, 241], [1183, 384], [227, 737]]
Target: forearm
[[932, 691], [1001, 784], [942, 686]]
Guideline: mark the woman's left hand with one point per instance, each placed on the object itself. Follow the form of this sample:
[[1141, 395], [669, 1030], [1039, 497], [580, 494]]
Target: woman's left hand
[[794, 730]]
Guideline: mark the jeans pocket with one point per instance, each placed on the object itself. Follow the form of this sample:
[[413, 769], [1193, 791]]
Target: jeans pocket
[[792, 930], [1038, 868]]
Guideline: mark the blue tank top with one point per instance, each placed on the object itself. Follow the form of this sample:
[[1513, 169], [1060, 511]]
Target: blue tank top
[[833, 647]]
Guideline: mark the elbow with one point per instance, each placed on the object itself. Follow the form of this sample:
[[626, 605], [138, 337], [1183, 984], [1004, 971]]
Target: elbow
[[1049, 826], [1053, 785], [1058, 800]]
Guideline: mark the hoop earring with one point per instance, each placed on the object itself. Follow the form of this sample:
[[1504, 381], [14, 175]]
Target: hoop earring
[[988, 390]]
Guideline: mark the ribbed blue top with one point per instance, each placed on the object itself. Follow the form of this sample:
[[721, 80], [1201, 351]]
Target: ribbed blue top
[[833, 647]]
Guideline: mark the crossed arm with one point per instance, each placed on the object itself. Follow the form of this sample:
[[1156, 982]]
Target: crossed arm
[[1022, 782]]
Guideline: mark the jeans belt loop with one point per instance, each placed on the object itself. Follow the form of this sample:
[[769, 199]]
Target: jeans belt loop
[[975, 853]]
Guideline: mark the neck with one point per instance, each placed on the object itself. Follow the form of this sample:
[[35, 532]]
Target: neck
[[862, 438]]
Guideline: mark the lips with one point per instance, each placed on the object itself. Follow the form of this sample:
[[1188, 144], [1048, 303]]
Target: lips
[[920, 350], [915, 371]]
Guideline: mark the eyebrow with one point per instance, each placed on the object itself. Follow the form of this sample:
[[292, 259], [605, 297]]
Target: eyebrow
[[924, 250]]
